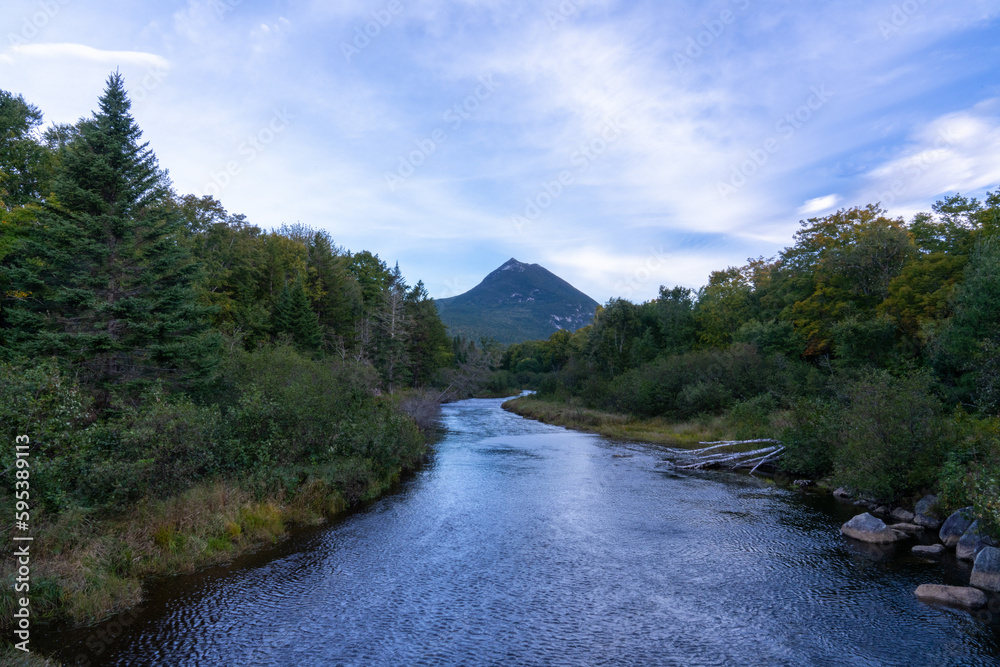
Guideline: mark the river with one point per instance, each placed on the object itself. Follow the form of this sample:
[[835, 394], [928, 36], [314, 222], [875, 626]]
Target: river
[[527, 544]]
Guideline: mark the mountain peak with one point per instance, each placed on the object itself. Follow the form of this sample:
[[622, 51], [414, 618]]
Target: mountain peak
[[513, 265], [517, 302]]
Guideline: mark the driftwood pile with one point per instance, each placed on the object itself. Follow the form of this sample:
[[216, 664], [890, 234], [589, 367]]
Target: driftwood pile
[[717, 456]]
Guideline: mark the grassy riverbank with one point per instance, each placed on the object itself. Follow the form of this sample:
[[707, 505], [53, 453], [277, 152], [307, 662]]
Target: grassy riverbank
[[572, 414], [172, 485], [86, 567]]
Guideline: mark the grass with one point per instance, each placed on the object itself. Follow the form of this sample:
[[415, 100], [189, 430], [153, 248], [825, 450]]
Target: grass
[[619, 426], [87, 567], [13, 658]]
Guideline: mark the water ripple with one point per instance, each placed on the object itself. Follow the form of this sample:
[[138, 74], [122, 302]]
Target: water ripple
[[526, 544]]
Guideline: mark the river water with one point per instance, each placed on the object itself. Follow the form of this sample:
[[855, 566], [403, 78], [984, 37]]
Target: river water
[[527, 544]]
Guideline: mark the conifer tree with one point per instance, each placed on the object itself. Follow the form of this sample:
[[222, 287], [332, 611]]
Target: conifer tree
[[106, 284], [293, 316]]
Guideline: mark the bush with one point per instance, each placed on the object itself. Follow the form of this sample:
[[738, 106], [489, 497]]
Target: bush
[[753, 418], [893, 435], [811, 437], [40, 401], [706, 381]]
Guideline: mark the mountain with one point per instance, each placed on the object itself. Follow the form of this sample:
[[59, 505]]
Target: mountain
[[515, 303]]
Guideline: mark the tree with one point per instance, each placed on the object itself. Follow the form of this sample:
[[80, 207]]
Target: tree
[[392, 342], [103, 280], [428, 344], [336, 295], [727, 302], [841, 266], [964, 344], [22, 156], [676, 311], [293, 316], [616, 329]]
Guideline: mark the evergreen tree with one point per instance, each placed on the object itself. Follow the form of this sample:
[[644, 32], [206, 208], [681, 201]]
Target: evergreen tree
[[293, 316], [335, 293], [102, 280], [428, 344]]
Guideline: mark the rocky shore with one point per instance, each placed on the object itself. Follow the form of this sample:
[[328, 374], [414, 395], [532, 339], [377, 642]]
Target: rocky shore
[[959, 531]]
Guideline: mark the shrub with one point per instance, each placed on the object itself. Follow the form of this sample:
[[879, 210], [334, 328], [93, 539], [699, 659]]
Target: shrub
[[753, 417], [893, 430], [811, 437]]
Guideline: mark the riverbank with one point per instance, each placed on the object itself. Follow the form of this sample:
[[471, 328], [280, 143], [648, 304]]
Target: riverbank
[[619, 426], [86, 568]]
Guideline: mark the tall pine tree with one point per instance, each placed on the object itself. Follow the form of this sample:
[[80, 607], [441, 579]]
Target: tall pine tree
[[294, 316], [106, 284]]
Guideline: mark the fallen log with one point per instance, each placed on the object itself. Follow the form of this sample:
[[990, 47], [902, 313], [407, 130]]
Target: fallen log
[[700, 458]]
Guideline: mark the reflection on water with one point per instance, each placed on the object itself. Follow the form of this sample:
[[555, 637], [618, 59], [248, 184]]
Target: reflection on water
[[527, 544]]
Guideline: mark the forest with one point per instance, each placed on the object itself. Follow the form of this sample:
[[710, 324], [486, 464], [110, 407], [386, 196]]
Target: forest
[[870, 348], [190, 383]]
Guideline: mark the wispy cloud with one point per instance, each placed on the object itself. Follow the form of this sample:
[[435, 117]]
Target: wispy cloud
[[25, 53]]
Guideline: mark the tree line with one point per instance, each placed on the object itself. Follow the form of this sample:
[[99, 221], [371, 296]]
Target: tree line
[[151, 340], [871, 346]]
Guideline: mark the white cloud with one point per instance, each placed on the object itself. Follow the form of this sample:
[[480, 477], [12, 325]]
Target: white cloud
[[819, 204], [956, 152], [81, 52]]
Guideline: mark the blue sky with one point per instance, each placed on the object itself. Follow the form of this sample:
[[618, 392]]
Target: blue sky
[[622, 145]]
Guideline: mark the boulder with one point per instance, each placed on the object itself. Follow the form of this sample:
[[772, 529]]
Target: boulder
[[955, 596], [926, 512], [955, 526], [926, 505], [842, 494], [866, 528], [899, 514], [928, 550], [972, 542], [910, 528], [986, 571]]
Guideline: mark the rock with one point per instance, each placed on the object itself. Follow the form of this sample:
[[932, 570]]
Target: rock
[[956, 596], [972, 542], [955, 526], [926, 505], [899, 514], [866, 528], [986, 571], [842, 494], [882, 510], [928, 550], [867, 504], [911, 528], [928, 522]]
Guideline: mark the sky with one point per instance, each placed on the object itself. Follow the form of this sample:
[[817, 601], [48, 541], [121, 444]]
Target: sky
[[621, 145]]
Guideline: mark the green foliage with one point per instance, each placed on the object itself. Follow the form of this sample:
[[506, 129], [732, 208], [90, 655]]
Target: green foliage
[[773, 336], [110, 286], [675, 311], [752, 418], [23, 158], [293, 316], [893, 435], [964, 347], [812, 437], [39, 400], [864, 342], [727, 303], [706, 381]]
